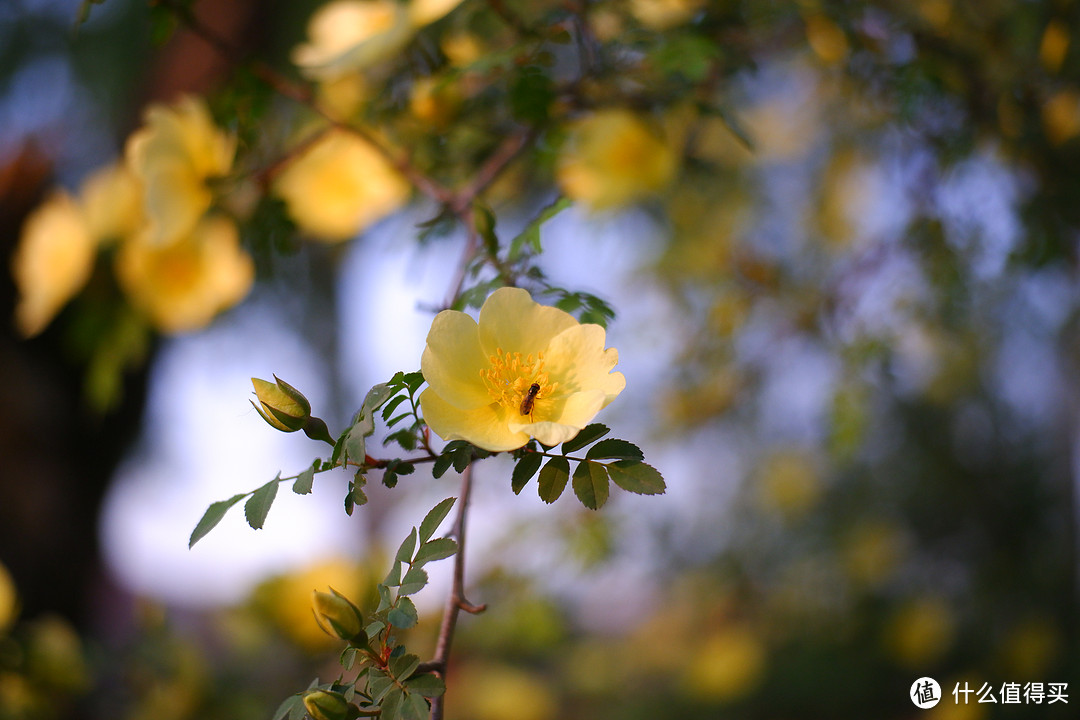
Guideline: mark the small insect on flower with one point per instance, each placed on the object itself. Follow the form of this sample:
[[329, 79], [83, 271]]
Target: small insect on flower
[[529, 399]]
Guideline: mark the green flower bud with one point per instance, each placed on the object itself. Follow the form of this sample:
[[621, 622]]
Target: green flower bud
[[281, 405], [337, 616], [327, 705]]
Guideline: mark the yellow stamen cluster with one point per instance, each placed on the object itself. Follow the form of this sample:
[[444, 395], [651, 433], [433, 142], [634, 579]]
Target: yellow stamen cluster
[[510, 376]]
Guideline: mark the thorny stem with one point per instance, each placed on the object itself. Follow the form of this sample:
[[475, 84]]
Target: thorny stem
[[455, 601]]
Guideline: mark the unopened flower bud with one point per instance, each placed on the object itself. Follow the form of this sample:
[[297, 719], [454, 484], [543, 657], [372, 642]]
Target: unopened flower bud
[[327, 705], [336, 615], [281, 405]]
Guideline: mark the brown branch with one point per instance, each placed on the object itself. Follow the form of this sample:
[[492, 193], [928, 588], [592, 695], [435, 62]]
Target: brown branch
[[303, 95], [503, 155], [455, 601]]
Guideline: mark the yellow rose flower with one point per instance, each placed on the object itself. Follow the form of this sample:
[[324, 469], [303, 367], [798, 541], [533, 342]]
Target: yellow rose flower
[[112, 199], [174, 155], [349, 35], [53, 261], [524, 370], [612, 158], [664, 14], [182, 286], [340, 186]]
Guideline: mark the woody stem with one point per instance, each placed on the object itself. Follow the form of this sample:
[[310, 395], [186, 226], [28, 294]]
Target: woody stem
[[455, 601]]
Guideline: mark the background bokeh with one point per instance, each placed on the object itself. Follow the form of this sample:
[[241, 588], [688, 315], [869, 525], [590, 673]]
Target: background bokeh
[[849, 328]]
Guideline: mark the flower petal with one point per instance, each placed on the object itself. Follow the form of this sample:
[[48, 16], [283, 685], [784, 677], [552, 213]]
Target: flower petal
[[577, 360], [453, 359], [511, 320], [569, 414], [485, 427]]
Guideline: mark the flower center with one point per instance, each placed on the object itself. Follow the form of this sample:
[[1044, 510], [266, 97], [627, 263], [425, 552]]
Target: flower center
[[511, 379]]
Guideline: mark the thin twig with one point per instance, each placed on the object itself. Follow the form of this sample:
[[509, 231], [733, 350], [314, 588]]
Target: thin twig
[[301, 94], [455, 601], [503, 155]]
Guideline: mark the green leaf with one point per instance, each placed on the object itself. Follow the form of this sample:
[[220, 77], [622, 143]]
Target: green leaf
[[614, 449], [405, 550], [348, 657], [591, 484], [388, 409], [378, 684], [403, 666], [441, 465], [414, 707], [428, 685], [288, 706], [553, 479], [304, 480], [524, 470], [393, 578], [384, 598], [413, 380], [258, 505], [355, 444], [404, 615], [212, 517], [375, 397], [374, 628], [531, 94], [434, 518], [436, 549], [413, 582], [637, 477], [391, 705], [530, 236], [588, 434]]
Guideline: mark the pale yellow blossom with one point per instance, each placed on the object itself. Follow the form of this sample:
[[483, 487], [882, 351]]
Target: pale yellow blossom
[[112, 199], [183, 285], [53, 261], [612, 158], [349, 35], [339, 186], [175, 155], [480, 374], [664, 14]]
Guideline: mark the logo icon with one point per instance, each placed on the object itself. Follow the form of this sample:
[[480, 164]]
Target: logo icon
[[925, 693]]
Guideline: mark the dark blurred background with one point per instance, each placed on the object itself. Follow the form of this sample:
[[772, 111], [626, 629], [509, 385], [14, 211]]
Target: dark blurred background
[[854, 317]]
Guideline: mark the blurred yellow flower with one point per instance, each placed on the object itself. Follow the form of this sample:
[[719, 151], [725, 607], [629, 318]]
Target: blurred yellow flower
[[425, 12], [498, 692], [339, 186], [9, 601], [524, 370], [286, 599], [920, 631], [612, 158], [434, 102], [1061, 116], [664, 14], [112, 199], [728, 665], [349, 35], [174, 155], [53, 261], [182, 286], [788, 482]]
